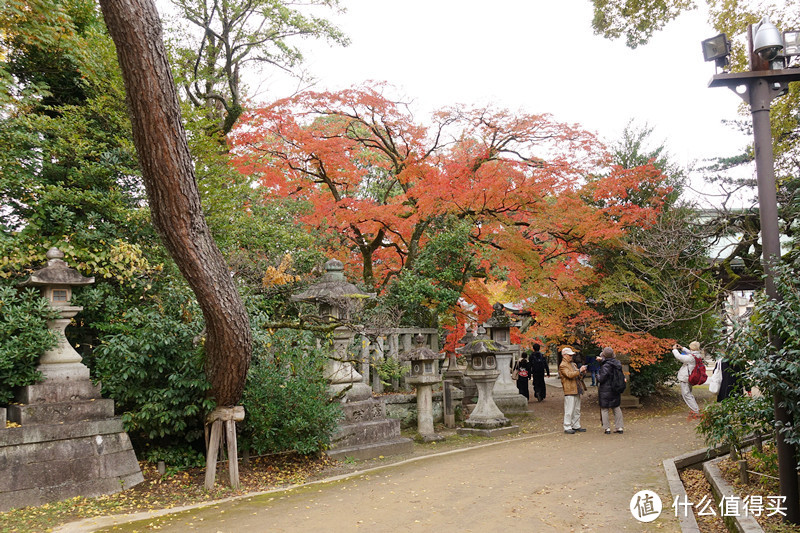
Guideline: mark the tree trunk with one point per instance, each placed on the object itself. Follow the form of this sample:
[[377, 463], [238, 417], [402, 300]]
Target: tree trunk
[[172, 191]]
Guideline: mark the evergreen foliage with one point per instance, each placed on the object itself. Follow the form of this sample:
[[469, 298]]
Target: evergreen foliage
[[24, 336]]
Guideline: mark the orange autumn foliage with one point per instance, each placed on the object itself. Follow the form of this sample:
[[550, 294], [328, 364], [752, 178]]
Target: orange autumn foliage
[[536, 193]]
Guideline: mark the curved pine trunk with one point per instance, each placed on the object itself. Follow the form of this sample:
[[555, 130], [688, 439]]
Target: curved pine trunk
[[172, 191]]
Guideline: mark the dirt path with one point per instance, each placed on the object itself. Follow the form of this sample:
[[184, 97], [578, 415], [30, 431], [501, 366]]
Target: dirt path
[[544, 480]]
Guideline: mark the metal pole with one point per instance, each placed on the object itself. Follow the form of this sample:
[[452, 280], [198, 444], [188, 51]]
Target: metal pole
[[760, 98]]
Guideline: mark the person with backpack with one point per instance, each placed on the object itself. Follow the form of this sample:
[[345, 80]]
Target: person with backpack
[[690, 359], [611, 384]]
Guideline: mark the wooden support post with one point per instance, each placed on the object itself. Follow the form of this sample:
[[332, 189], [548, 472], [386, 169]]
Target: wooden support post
[[229, 416], [213, 453], [744, 475], [233, 456]]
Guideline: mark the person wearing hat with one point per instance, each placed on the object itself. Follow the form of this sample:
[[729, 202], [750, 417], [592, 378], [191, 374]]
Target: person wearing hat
[[687, 358], [572, 383], [606, 396]]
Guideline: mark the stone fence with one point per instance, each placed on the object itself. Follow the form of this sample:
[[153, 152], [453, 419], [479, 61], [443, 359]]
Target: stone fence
[[388, 343]]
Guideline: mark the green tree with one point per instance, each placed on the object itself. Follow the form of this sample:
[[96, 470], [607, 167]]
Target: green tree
[[228, 39]]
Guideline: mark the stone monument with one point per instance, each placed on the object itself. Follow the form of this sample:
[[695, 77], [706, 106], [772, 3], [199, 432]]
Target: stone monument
[[424, 374], [506, 394], [627, 399], [365, 431], [486, 419], [68, 443]]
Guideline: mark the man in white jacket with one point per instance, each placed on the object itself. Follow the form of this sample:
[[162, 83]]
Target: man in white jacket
[[687, 358]]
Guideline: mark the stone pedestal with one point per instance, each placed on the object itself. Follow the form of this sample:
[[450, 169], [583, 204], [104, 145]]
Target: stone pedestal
[[505, 392], [627, 400], [69, 444], [366, 432]]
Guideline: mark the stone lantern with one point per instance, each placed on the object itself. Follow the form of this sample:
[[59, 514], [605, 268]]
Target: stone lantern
[[365, 431], [486, 419], [56, 281], [68, 443], [506, 394], [424, 374], [336, 297]]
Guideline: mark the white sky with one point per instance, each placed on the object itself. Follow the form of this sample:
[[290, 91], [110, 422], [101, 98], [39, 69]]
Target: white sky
[[539, 57]]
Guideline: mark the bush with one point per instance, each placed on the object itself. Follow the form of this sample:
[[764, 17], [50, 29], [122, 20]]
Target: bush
[[149, 364], [734, 418], [285, 399], [774, 371], [645, 381], [24, 337]]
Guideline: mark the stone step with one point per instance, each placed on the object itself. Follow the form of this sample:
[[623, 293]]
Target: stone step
[[366, 432], [63, 412], [368, 451], [56, 391]]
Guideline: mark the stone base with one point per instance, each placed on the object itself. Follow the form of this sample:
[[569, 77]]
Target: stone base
[[514, 404], [495, 432], [44, 463], [629, 401], [370, 451], [432, 437], [69, 444], [366, 432]]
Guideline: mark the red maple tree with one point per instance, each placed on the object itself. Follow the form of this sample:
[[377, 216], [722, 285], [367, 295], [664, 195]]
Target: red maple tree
[[538, 194]]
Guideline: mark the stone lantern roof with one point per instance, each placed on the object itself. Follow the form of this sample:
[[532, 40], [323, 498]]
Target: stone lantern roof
[[421, 352], [332, 286], [55, 273], [481, 344], [500, 318]]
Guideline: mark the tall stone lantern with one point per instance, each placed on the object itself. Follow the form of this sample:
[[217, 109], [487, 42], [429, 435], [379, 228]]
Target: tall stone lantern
[[486, 419], [56, 281], [424, 374], [505, 391], [68, 442], [365, 432], [336, 297]]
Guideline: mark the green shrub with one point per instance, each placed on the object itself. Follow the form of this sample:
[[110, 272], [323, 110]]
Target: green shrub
[[149, 363], [24, 337], [734, 418], [646, 380], [285, 399]]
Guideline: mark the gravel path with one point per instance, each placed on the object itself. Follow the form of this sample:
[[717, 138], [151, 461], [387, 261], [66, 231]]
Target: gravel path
[[541, 480]]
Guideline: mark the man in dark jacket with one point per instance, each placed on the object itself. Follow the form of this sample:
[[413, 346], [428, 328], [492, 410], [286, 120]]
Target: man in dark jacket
[[539, 367], [606, 396], [733, 380]]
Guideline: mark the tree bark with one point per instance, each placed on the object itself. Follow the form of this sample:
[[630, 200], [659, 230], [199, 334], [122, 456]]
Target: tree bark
[[172, 191]]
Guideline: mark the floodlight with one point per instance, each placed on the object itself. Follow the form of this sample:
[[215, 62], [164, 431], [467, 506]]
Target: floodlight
[[767, 40], [716, 48], [791, 43]]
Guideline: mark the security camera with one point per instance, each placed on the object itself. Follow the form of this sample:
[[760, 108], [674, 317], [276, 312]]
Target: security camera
[[767, 40]]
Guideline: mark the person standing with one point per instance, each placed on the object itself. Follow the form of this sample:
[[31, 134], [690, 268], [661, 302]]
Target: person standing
[[733, 380], [687, 358], [523, 368], [607, 397], [539, 368], [572, 383], [594, 367]]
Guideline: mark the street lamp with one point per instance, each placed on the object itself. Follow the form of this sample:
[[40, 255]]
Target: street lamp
[[768, 79]]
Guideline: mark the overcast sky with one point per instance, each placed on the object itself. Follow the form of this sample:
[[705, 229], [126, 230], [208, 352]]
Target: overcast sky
[[539, 57]]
